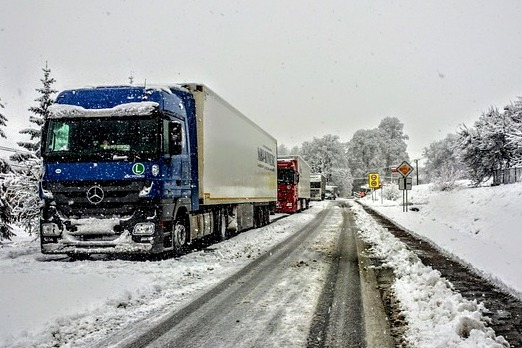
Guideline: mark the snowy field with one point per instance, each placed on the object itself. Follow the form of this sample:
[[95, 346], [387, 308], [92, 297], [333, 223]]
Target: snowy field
[[46, 301], [480, 226]]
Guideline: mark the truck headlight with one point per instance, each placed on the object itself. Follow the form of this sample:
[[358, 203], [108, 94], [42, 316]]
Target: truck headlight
[[144, 229], [50, 230]]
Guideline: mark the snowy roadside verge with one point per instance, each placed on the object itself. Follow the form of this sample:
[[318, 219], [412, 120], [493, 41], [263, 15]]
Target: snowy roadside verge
[[437, 316]]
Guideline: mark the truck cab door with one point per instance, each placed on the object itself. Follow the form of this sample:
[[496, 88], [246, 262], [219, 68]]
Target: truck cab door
[[177, 158]]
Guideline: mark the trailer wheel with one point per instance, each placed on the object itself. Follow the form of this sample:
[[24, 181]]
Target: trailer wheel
[[180, 233], [266, 215], [220, 226]]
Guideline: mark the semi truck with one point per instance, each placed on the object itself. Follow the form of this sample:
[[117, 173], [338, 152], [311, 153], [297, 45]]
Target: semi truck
[[293, 184], [317, 187], [151, 169]]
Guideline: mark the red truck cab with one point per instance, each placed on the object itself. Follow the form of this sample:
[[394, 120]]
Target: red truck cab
[[293, 185]]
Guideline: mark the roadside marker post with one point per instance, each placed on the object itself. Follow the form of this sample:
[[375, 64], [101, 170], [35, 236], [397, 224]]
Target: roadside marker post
[[405, 183], [373, 183]]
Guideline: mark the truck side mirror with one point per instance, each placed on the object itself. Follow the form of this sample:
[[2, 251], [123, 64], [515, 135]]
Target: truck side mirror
[[175, 139]]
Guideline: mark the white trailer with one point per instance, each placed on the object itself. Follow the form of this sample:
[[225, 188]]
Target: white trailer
[[236, 158]]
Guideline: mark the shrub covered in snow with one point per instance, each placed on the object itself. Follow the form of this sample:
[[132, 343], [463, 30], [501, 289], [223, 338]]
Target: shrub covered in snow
[[391, 192]]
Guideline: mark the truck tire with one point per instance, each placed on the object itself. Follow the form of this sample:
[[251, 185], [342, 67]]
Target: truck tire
[[180, 233], [266, 214], [220, 225]]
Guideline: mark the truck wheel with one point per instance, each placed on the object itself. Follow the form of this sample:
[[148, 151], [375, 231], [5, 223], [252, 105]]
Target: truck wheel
[[180, 234]]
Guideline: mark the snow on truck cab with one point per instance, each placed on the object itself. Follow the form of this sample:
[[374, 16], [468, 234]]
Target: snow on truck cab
[[145, 170]]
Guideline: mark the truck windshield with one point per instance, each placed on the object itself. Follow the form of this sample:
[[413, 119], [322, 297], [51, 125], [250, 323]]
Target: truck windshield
[[110, 139], [286, 176]]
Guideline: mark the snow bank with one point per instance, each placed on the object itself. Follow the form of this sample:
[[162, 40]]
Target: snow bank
[[437, 316]]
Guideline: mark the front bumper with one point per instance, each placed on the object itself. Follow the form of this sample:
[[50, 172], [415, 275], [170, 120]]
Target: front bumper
[[121, 245]]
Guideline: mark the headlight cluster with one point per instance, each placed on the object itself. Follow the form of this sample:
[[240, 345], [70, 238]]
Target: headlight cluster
[[144, 229], [50, 230]]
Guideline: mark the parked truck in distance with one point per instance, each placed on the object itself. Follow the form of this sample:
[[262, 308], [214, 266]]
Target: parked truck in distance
[[317, 187], [332, 192], [147, 170], [293, 184]]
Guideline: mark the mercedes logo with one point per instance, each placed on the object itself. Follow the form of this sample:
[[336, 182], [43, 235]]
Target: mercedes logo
[[95, 194]]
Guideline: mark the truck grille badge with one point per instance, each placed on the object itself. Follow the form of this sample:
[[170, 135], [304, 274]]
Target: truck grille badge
[[95, 194]]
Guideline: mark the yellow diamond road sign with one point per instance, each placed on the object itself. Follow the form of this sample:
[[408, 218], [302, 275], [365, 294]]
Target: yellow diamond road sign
[[405, 169], [373, 180]]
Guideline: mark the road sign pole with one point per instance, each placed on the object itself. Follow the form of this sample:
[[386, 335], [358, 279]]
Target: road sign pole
[[402, 197], [406, 206]]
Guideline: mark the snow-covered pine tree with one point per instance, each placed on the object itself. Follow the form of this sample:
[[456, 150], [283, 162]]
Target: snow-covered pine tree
[[484, 148], [23, 190], [3, 120], [6, 231], [514, 132], [6, 217], [40, 114]]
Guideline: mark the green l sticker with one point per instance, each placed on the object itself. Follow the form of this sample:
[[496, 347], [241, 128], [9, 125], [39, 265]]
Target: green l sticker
[[138, 168]]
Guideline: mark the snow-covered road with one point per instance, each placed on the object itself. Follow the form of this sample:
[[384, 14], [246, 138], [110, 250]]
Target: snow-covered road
[[47, 301]]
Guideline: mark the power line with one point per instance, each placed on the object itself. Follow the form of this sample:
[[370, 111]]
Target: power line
[[10, 149]]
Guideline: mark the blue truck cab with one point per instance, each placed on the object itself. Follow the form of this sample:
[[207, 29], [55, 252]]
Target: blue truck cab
[[117, 170]]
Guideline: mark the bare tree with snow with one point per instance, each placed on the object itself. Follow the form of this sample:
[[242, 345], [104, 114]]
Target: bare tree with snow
[[394, 142], [21, 191], [365, 152], [327, 155], [442, 159]]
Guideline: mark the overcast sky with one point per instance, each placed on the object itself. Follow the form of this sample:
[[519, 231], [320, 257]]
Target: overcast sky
[[299, 69]]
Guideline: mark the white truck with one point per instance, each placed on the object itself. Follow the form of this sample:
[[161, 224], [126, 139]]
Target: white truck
[[317, 187], [148, 169], [332, 192]]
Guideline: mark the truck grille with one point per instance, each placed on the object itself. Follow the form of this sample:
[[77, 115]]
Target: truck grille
[[96, 198]]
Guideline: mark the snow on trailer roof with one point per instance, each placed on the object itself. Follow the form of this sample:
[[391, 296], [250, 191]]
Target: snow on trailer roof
[[128, 109]]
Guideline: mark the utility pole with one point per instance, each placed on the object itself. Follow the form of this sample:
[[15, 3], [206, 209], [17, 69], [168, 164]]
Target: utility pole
[[417, 170]]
